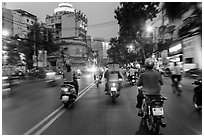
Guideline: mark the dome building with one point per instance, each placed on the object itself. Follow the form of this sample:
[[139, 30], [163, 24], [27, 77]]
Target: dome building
[[70, 29]]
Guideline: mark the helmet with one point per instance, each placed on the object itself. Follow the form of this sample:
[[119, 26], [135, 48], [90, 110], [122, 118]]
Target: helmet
[[149, 63], [137, 66]]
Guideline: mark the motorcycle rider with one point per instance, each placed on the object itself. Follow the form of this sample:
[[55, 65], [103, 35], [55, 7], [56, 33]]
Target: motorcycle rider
[[69, 77], [99, 72], [176, 73], [150, 81], [132, 72], [106, 76]]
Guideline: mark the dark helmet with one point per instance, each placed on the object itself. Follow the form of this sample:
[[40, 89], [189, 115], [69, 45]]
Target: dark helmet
[[149, 63], [68, 66]]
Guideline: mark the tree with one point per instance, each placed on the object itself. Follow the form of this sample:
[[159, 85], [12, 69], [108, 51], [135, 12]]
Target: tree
[[131, 18], [115, 51], [175, 10], [42, 38]]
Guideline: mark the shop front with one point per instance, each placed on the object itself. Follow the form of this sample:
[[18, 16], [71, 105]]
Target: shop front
[[175, 54]]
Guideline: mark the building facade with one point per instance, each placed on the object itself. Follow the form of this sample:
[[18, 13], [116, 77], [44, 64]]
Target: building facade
[[70, 29], [14, 23], [176, 48], [100, 47], [23, 21]]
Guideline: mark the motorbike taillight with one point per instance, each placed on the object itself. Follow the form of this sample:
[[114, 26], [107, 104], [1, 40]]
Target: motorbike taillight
[[64, 89], [72, 90]]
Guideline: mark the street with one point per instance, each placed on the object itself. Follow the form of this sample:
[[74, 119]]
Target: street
[[33, 108]]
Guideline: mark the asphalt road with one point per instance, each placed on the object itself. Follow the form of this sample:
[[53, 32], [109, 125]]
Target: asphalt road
[[35, 109]]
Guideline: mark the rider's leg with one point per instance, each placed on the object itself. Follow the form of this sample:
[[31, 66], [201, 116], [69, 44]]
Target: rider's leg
[[140, 98]]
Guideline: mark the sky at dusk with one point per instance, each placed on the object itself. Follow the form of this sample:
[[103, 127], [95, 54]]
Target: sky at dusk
[[100, 15]]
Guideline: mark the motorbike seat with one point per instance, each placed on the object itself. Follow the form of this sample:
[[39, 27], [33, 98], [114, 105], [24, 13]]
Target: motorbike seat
[[154, 98], [67, 83]]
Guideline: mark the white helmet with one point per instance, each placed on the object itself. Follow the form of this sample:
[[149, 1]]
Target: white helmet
[[137, 66]]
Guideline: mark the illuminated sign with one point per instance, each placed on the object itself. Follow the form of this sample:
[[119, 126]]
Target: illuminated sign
[[175, 48]]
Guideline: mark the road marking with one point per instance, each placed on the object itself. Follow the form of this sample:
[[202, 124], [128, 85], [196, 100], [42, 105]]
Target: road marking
[[87, 89], [50, 122], [41, 122], [53, 113]]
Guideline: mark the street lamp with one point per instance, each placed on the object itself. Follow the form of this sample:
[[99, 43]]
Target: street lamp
[[5, 33], [149, 29]]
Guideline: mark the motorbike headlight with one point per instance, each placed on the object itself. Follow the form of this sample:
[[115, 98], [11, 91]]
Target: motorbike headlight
[[120, 79], [113, 84], [64, 89]]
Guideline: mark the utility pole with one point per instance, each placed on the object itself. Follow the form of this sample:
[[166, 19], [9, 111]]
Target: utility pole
[[35, 57]]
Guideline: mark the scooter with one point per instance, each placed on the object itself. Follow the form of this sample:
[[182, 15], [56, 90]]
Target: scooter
[[133, 80], [197, 97], [177, 86], [153, 112], [98, 80], [68, 94], [114, 87]]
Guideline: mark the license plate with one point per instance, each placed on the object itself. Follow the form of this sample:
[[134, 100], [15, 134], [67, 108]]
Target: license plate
[[65, 98], [158, 111], [113, 89]]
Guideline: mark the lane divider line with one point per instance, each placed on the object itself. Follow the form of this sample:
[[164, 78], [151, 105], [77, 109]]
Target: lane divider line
[[61, 112], [41, 122], [85, 91], [50, 122], [54, 112], [86, 88]]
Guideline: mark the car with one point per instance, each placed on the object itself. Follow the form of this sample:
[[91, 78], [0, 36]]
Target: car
[[195, 72]]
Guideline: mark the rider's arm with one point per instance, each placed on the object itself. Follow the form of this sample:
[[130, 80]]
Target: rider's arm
[[140, 82], [161, 80]]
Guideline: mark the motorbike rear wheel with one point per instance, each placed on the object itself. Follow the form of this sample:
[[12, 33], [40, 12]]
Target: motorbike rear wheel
[[155, 127], [97, 84], [113, 99], [66, 105], [195, 103]]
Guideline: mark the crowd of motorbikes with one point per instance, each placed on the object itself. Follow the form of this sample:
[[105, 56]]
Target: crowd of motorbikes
[[152, 106]]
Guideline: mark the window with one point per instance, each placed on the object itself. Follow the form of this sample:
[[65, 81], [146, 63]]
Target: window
[[31, 22], [52, 20], [27, 20], [189, 60]]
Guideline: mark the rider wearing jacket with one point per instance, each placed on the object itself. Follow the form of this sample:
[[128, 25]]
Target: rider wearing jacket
[[69, 77], [150, 81]]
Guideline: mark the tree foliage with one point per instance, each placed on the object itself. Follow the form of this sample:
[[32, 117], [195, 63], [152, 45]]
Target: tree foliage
[[175, 10], [131, 18], [43, 40]]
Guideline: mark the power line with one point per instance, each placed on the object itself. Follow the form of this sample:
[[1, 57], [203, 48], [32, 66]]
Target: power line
[[100, 25]]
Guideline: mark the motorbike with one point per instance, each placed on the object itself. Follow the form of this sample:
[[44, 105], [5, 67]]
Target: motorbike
[[97, 80], [153, 112], [197, 97], [114, 86], [68, 94], [133, 80], [51, 79], [177, 86]]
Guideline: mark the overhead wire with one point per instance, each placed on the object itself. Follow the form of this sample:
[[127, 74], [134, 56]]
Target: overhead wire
[[94, 26]]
